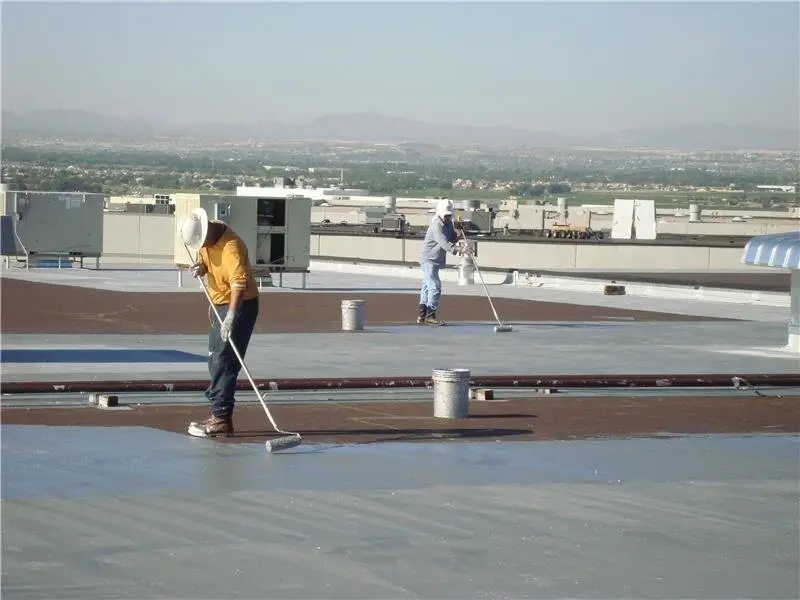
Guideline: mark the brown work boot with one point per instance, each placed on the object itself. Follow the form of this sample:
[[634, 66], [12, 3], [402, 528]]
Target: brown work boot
[[431, 319], [212, 427], [423, 312]]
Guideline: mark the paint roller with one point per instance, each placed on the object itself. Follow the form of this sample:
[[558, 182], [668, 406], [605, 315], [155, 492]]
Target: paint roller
[[500, 327], [291, 439]]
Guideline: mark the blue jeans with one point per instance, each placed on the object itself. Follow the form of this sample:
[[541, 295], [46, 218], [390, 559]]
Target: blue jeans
[[223, 366], [431, 285]]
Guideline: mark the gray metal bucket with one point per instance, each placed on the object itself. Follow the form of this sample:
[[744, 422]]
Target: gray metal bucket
[[466, 271], [352, 315], [451, 393]]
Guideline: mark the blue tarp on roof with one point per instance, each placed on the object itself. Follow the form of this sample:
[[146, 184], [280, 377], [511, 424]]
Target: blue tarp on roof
[[774, 250]]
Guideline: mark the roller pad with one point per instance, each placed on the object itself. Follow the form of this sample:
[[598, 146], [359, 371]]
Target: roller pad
[[282, 443]]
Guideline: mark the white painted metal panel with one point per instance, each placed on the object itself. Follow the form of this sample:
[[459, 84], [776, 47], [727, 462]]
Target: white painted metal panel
[[124, 234], [644, 219], [622, 226], [139, 237], [298, 233], [243, 219], [7, 204]]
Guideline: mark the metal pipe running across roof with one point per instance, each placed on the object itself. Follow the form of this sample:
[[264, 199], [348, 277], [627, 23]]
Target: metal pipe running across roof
[[735, 380]]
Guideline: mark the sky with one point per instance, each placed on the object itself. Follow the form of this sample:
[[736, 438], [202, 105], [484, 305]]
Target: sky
[[574, 68]]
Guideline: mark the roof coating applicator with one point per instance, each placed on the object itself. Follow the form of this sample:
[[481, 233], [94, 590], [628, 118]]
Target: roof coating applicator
[[282, 443], [500, 327]]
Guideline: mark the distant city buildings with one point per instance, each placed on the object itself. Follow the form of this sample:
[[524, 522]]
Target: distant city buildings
[[791, 189]]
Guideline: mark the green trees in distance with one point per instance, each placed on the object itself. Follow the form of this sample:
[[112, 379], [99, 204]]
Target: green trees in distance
[[119, 172]]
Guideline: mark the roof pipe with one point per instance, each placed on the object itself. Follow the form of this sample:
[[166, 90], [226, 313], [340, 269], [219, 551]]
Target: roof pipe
[[362, 383]]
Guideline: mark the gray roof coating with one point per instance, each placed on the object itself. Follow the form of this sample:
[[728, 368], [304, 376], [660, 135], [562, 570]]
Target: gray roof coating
[[137, 513], [628, 347]]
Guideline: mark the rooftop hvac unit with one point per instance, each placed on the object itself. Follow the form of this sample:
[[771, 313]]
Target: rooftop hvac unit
[[393, 224], [277, 231], [132, 207], [57, 223], [476, 220], [163, 209]]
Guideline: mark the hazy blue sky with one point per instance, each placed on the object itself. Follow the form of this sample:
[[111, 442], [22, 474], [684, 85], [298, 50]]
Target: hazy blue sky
[[570, 67]]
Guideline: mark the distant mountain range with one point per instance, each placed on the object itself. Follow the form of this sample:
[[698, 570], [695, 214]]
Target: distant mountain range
[[380, 128]]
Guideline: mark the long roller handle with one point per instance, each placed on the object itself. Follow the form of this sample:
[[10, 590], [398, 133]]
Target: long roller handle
[[236, 351], [483, 283]]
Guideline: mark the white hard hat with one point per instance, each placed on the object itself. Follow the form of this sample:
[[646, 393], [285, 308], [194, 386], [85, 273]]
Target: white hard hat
[[444, 207], [194, 229]]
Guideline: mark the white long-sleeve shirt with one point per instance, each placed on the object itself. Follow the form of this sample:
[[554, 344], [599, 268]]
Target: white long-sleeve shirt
[[438, 242]]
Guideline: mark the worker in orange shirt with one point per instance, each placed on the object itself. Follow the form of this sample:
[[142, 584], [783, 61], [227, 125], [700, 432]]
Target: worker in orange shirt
[[223, 258]]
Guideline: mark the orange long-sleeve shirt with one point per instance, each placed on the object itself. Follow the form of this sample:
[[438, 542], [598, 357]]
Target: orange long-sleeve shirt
[[229, 268]]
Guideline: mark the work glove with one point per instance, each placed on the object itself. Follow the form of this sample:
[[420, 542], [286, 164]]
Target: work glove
[[227, 326], [463, 248], [199, 269]]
